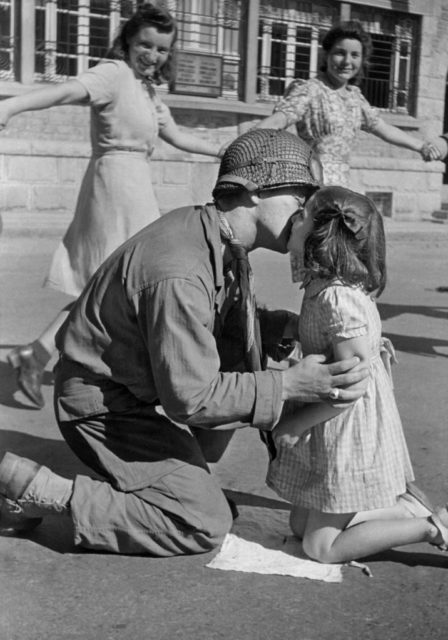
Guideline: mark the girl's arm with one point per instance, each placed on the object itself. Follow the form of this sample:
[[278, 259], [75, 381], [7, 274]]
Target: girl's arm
[[69, 92], [290, 428], [276, 120], [396, 136], [188, 142]]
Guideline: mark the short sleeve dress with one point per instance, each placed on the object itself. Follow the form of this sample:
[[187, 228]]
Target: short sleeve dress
[[116, 198], [358, 460], [329, 120]]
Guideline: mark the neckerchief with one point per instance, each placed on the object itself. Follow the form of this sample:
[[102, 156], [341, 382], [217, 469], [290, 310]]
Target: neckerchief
[[245, 280]]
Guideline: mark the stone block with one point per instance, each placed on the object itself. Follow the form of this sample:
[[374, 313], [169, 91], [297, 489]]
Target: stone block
[[54, 198], [405, 205], [176, 173], [71, 170], [31, 169], [203, 179], [429, 202], [16, 197], [435, 180], [173, 198], [14, 146]]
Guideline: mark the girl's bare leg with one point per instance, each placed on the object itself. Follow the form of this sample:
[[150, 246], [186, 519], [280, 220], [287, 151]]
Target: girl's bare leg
[[299, 516], [328, 538]]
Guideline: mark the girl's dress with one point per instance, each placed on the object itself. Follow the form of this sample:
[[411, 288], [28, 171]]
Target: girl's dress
[[358, 460], [116, 198], [329, 120]]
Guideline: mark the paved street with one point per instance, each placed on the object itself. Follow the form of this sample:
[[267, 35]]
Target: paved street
[[50, 590]]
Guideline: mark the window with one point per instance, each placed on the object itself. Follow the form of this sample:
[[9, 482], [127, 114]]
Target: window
[[72, 35], [6, 39], [289, 47], [390, 83], [288, 42], [212, 26]]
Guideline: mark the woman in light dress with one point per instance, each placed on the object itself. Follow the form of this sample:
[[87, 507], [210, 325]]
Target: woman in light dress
[[116, 197]]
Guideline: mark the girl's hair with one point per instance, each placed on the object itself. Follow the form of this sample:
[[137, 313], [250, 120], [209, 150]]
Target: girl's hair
[[147, 15], [351, 29], [347, 241]]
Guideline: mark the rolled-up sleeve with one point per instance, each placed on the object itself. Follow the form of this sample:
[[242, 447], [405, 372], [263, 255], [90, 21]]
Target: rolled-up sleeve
[[176, 316], [101, 82]]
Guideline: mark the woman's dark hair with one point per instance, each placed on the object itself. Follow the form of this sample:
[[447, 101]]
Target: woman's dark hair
[[147, 15], [353, 30], [347, 241]]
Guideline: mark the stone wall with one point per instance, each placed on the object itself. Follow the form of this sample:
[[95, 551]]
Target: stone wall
[[43, 156]]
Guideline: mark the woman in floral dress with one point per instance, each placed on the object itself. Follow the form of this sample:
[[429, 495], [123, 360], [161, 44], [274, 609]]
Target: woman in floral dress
[[330, 110]]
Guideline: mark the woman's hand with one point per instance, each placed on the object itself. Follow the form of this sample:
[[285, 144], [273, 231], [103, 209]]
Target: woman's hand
[[434, 149]]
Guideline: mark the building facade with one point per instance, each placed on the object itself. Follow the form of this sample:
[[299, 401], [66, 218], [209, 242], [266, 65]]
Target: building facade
[[235, 58]]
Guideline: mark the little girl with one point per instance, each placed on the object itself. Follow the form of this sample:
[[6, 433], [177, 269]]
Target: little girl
[[352, 467]]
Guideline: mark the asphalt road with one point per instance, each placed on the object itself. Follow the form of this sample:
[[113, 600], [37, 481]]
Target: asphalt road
[[49, 589]]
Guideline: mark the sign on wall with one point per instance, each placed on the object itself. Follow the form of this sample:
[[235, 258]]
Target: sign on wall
[[198, 74]]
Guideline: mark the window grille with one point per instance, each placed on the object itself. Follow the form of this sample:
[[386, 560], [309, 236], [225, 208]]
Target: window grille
[[212, 26], [72, 35], [289, 47], [390, 81], [288, 42], [6, 39]]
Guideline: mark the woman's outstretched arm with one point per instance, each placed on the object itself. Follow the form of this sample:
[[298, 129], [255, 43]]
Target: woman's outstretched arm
[[396, 136], [188, 142], [70, 92], [276, 120]]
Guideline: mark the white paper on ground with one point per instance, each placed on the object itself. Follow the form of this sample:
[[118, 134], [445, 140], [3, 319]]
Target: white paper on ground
[[261, 542]]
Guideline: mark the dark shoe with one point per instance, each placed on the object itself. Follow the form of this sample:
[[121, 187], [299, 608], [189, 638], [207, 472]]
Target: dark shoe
[[29, 373], [29, 491]]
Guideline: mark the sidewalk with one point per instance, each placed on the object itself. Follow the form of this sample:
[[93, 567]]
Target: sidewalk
[[51, 590]]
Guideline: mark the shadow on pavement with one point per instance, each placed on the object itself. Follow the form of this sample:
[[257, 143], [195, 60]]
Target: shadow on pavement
[[436, 559], [55, 454], [54, 534], [240, 498], [392, 310], [417, 344]]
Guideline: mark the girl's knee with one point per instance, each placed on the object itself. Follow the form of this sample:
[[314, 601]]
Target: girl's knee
[[317, 549]]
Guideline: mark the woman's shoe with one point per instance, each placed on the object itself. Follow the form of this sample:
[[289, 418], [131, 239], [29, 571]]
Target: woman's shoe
[[29, 372], [440, 519]]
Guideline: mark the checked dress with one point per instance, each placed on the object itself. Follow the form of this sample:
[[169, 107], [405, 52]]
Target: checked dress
[[357, 460]]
